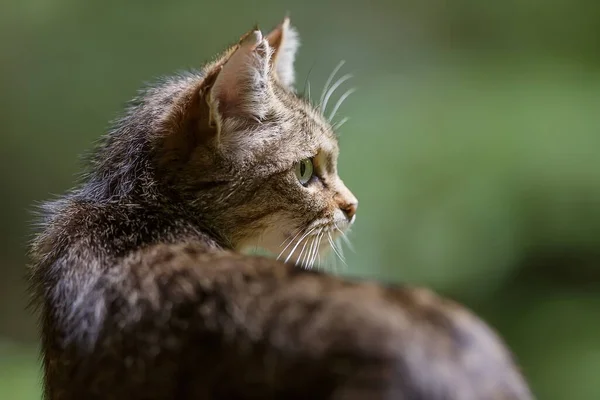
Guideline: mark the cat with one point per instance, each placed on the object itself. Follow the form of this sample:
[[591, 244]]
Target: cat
[[144, 291]]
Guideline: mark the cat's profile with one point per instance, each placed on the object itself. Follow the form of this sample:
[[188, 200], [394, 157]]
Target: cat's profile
[[144, 293]]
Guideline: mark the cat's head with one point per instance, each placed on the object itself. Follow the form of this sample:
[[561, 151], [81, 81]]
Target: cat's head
[[257, 161]]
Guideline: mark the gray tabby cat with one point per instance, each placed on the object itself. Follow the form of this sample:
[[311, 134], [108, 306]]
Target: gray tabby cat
[[144, 293]]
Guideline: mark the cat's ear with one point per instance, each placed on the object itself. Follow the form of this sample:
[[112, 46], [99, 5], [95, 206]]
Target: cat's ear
[[240, 85], [285, 42]]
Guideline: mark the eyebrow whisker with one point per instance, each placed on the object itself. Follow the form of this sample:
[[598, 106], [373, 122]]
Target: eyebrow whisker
[[328, 82], [332, 89]]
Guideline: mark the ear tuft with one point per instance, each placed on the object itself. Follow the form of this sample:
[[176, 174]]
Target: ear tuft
[[251, 38], [285, 41]]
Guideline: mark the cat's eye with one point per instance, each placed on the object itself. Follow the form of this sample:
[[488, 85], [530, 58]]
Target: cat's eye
[[304, 171]]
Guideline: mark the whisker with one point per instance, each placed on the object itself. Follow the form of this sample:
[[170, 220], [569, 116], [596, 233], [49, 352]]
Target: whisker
[[308, 92], [328, 82], [335, 249], [340, 102], [333, 261], [306, 81], [340, 248], [339, 124], [312, 242], [317, 261], [297, 244], [307, 255], [319, 254], [290, 238], [332, 89], [313, 248], [299, 261], [317, 250], [346, 239], [290, 242]]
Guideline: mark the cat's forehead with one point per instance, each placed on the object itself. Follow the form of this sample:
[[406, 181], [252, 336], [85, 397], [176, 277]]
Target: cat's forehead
[[311, 133], [304, 114]]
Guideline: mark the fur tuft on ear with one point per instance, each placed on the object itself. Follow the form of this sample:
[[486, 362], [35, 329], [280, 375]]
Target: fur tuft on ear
[[241, 86], [285, 41]]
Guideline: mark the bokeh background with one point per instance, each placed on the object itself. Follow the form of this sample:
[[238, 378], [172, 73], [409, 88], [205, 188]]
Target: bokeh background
[[473, 146]]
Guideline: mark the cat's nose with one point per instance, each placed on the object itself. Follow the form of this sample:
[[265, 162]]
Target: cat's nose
[[349, 210], [346, 201]]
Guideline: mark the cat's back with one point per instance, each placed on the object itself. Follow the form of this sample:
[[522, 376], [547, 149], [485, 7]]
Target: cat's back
[[409, 340]]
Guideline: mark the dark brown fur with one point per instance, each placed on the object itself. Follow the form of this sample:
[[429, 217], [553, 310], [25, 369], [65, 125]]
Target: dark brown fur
[[143, 296]]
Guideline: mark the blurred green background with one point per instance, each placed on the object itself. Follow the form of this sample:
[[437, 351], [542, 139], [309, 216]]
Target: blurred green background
[[473, 146]]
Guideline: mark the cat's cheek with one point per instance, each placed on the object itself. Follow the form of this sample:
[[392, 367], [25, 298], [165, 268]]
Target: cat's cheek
[[270, 238]]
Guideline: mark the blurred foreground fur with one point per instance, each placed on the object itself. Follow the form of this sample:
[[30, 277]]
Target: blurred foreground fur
[[143, 291]]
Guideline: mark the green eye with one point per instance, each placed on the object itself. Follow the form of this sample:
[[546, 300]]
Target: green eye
[[304, 171]]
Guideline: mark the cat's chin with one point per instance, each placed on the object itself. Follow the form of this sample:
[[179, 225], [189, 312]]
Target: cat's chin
[[341, 224], [304, 247], [344, 225]]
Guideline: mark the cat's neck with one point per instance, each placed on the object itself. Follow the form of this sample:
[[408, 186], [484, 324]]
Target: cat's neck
[[118, 227]]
